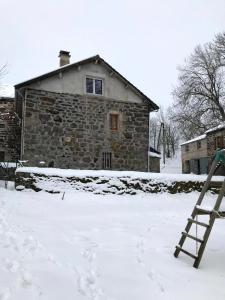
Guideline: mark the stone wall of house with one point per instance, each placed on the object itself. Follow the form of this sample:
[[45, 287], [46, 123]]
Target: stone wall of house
[[72, 131], [9, 131], [211, 144]]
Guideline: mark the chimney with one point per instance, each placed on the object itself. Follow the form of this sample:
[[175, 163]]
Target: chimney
[[64, 58]]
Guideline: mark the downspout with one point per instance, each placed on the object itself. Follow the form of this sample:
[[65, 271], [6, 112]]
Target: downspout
[[23, 96]]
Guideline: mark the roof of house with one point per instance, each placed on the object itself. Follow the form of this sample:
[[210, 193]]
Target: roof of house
[[154, 153], [198, 138], [154, 150], [96, 58], [221, 126]]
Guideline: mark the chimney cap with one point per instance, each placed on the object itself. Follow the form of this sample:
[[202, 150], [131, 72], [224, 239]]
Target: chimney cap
[[63, 52]]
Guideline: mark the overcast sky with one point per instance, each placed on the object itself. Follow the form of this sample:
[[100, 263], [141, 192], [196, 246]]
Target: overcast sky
[[143, 40]]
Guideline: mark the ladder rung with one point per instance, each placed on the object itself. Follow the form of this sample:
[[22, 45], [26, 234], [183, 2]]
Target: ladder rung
[[198, 223], [186, 252], [203, 211], [192, 237]]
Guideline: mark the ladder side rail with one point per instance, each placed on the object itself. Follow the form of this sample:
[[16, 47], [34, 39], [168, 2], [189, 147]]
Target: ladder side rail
[[214, 166], [220, 197], [211, 223]]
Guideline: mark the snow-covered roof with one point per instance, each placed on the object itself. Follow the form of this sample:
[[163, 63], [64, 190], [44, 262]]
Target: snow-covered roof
[[219, 127], [198, 138], [7, 91], [153, 154]]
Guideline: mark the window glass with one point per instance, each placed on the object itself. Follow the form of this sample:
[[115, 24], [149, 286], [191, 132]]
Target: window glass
[[98, 86], [89, 85]]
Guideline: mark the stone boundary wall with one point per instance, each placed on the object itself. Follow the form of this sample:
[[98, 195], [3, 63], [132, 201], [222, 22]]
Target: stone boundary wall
[[107, 184]]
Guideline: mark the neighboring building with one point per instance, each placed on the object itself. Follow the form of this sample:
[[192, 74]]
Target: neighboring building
[[154, 160], [197, 154], [9, 131], [84, 115]]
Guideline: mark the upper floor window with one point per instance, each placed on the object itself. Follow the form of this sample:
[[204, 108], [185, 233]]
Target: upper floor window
[[187, 148], [93, 86]]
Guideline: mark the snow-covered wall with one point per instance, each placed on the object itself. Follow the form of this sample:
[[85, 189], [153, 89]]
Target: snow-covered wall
[[103, 182]]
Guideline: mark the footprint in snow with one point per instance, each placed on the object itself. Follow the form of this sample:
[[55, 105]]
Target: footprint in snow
[[140, 250], [152, 275]]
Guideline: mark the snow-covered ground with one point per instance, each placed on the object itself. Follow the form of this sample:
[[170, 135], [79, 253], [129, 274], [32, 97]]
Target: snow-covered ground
[[109, 247], [172, 165]]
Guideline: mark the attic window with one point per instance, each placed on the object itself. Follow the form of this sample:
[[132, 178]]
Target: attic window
[[93, 86]]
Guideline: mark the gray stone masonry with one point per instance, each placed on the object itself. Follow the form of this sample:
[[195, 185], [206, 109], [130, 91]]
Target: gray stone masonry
[[72, 131], [9, 130]]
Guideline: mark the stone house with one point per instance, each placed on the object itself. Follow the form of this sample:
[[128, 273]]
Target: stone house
[[84, 115], [9, 131], [197, 154]]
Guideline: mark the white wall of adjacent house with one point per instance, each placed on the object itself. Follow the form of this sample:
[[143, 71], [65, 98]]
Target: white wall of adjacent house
[[73, 81], [194, 150]]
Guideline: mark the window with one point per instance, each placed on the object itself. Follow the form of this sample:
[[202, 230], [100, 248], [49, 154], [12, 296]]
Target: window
[[186, 148], [94, 86], [106, 160], [2, 125], [114, 122], [199, 144], [218, 142], [2, 156]]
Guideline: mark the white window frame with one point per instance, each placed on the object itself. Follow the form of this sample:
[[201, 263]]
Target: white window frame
[[94, 78]]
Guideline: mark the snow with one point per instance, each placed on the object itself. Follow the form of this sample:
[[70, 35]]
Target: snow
[[220, 126], [110, 247], [8, 164], [66, 173], [198, 138], [153, 154], [7, 90], [172, 165]]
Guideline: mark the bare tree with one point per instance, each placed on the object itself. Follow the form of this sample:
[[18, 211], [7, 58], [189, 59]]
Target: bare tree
[[164, 134], [199, 97]]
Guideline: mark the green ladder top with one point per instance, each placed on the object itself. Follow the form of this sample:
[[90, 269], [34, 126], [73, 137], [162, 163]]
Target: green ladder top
[[220, 156]]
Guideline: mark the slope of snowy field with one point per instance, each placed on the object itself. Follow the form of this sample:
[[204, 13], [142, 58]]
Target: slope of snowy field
[[107, 247]]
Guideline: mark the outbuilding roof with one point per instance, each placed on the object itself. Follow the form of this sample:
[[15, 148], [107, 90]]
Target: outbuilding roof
[[97, 59]]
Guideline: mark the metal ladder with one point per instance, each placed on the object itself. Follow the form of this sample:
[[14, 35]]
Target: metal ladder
[[198, 210]]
